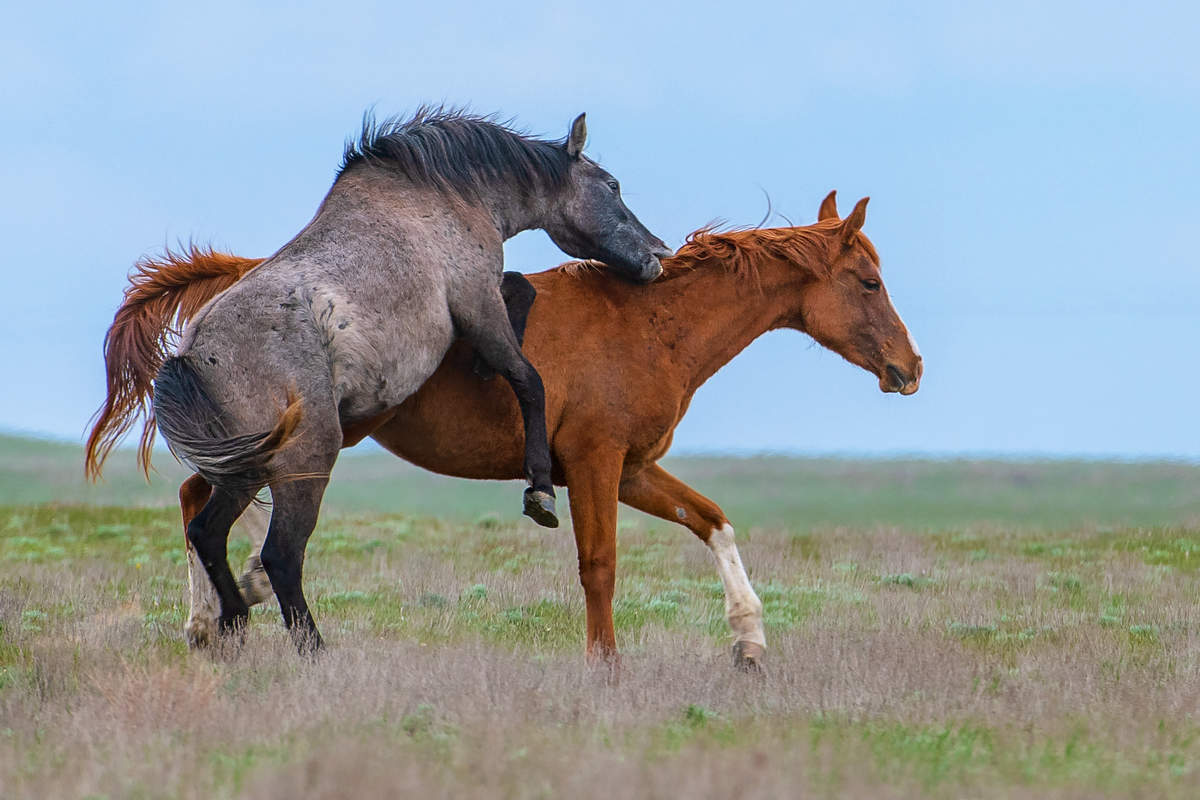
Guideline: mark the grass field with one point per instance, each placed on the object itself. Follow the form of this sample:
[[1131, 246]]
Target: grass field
[[935, 629]]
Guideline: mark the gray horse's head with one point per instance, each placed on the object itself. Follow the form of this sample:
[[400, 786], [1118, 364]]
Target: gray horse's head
[[590, 220]]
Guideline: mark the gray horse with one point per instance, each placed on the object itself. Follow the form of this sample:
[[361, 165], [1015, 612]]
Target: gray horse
[[312, 349]]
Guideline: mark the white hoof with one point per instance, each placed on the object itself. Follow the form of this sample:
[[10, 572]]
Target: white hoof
[[200, 632]]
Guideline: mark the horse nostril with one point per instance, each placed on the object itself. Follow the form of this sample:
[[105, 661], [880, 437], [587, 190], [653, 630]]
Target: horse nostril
[[897, 376]]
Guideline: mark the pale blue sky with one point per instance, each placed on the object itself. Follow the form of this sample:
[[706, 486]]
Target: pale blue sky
[[1032, 168]]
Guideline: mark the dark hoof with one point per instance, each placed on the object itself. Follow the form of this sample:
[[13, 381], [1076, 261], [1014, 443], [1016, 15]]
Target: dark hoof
[[748, 657], [232, 631], [539, 507]]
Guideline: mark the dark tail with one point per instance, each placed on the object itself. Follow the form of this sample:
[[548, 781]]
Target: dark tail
[[163, 293], [192, 424]]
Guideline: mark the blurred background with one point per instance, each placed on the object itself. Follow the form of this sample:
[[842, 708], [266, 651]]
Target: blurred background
[[1032, 171]]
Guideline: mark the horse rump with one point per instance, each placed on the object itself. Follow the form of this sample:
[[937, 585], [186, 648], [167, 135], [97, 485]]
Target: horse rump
[[192, 424], [163, 293]]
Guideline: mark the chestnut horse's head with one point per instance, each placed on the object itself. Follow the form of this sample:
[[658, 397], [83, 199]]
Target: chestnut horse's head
[[847, 309]]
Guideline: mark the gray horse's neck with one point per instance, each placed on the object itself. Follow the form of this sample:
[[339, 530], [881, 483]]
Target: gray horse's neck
[[510, 210]]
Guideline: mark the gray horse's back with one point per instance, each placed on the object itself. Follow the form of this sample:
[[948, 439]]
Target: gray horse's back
[[360, 304], [300, 327]]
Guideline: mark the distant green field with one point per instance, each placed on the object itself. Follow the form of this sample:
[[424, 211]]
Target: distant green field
[[937, 629], [801, 493]]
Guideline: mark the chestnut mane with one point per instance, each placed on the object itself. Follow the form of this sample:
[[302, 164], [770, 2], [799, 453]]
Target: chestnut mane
[[740, 251]]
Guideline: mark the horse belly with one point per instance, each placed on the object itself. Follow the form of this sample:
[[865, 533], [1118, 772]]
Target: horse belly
[[458, 424], [458, 462]]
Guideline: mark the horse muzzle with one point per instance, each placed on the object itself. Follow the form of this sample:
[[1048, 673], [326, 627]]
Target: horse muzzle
[[895, 379], [653, 267], [651, 270]]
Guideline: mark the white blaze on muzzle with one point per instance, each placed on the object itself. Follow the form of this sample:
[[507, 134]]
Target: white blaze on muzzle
[[913, 343]]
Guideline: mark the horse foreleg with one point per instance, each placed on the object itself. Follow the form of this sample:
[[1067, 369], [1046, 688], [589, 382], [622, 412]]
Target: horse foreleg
[[254, 584], [486, 325], [658, 492], [592, 482], [518, 294]]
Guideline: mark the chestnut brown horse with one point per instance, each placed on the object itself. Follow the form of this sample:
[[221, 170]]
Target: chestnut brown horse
[[620, 365]]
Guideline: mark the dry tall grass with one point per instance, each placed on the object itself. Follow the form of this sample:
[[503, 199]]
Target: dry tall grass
[[987, 662]]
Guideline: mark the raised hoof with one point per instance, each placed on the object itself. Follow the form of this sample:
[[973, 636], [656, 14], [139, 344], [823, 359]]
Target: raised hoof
[[539, 507], [748, 657], [254, 584]]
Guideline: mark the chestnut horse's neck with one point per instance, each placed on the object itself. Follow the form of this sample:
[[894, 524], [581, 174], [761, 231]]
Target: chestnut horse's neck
[[714, 314], [719, 294]]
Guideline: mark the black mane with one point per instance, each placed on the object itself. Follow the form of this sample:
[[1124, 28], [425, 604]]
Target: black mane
[[454, 151]]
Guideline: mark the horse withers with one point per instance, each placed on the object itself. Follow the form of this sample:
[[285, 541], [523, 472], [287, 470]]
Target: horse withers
[[311, 350]]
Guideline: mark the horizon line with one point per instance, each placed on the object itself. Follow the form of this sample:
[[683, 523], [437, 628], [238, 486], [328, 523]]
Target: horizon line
[[367, 448]]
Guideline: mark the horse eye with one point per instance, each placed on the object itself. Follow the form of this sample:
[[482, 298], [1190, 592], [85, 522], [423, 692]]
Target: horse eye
[[616, 187], [870, 284]]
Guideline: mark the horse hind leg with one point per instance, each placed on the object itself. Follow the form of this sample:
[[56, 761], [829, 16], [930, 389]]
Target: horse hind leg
[[486, 325], [296, 504], [208, 534], [204, 606]]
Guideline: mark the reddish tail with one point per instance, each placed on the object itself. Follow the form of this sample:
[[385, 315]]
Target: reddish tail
[[163, 294]]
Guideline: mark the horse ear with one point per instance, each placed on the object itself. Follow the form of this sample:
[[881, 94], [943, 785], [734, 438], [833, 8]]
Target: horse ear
[[577, 137], [853, 223], [828, 207]]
